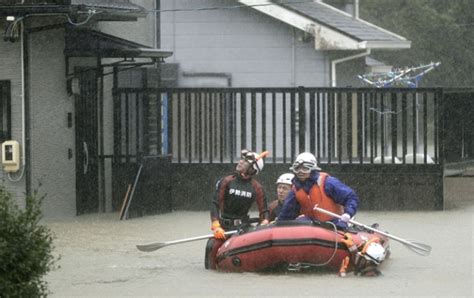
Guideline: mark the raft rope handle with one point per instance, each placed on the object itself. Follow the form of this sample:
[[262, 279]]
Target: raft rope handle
[[298, 266]]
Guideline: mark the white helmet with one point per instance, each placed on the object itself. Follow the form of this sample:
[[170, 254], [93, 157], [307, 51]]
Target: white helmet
[[254, 159], [285, 179], [307, 160], [375, 253]]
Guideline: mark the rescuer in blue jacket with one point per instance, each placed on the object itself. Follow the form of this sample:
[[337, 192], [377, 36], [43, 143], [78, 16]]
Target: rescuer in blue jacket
[[312, 187]]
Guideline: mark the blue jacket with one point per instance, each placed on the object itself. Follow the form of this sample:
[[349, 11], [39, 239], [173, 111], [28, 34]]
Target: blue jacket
[[334, 188]]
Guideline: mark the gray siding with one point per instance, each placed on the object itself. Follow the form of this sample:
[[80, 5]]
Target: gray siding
[[10, 61], [50, 136], [255, 49]]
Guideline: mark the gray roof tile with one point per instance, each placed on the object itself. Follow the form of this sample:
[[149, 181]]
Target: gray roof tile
[[339, 21]]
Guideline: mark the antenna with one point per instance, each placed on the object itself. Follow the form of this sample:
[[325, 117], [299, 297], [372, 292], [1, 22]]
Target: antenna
[[399, 77]]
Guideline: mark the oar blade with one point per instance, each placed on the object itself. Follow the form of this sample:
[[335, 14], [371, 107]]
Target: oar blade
[[419, 248], [157, 245], [151, 246]]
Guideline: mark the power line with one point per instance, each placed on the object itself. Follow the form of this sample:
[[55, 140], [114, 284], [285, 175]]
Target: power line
[[223, 8]]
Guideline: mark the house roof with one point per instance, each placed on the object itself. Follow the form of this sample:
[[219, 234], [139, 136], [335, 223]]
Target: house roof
[[332, 28], [91, 43], [105, 10]]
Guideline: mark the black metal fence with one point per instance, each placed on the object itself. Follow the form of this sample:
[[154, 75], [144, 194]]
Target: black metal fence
[[348, 129], [338, 125], [457, 132]]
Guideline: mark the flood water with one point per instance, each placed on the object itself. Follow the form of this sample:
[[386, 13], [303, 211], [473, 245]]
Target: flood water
[[99, 258]]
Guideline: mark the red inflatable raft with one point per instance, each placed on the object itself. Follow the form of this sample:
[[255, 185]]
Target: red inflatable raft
[[287, 245]]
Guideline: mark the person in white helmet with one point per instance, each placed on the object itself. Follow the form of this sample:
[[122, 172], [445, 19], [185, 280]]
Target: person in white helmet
[[283, 184], [234, 196], [313, 187]]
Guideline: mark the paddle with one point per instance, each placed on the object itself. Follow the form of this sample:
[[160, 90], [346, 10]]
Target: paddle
[[419, 248], [157, 245]]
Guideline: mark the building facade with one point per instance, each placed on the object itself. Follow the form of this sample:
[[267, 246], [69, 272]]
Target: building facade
[[61, 61], [57, 98]]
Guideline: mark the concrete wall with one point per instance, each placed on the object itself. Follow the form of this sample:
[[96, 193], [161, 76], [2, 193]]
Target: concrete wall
[[458, 192], [50, 137], [257, 50], [379, 188]]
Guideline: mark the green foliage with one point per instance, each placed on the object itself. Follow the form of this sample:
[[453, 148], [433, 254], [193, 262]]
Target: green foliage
[[25, 248], [440, 31]]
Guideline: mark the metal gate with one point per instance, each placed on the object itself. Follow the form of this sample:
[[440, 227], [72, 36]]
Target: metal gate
[[87, 161], [139, 161], [392, 145]]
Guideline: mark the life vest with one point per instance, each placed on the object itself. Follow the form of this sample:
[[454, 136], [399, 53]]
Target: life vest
[[317, 196]]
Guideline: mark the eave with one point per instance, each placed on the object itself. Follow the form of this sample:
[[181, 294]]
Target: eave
[[90, 43], [327, 37]]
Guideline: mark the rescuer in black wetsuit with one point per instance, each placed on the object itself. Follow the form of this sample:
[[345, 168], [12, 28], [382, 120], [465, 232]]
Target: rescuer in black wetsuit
[[232, 201]]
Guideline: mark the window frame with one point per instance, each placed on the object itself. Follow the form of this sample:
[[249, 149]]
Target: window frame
[[5, 111]]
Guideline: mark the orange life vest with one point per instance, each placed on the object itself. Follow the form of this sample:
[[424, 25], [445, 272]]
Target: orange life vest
[[318, 196]]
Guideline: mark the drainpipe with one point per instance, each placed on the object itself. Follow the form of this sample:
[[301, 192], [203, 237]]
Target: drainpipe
[[157, 25], [26, 151], [293, 58], [355, 12], [337, 61], [333, 79]]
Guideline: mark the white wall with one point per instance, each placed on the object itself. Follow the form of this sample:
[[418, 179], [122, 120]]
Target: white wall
[[257, 50]]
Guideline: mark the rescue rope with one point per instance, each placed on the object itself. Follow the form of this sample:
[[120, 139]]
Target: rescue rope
[[296, 267]]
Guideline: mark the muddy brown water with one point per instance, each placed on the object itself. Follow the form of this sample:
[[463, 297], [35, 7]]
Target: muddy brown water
[[99, 259]]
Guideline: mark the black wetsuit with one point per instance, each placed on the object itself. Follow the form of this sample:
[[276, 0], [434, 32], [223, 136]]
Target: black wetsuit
[[234, 197], [232, 201]]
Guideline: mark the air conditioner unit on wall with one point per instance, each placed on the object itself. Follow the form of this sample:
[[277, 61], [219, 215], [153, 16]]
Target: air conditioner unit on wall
[[165, 75], [169, 74]]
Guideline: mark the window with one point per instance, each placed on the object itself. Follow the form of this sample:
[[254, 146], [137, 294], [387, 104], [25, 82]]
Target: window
[[5, 111]]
